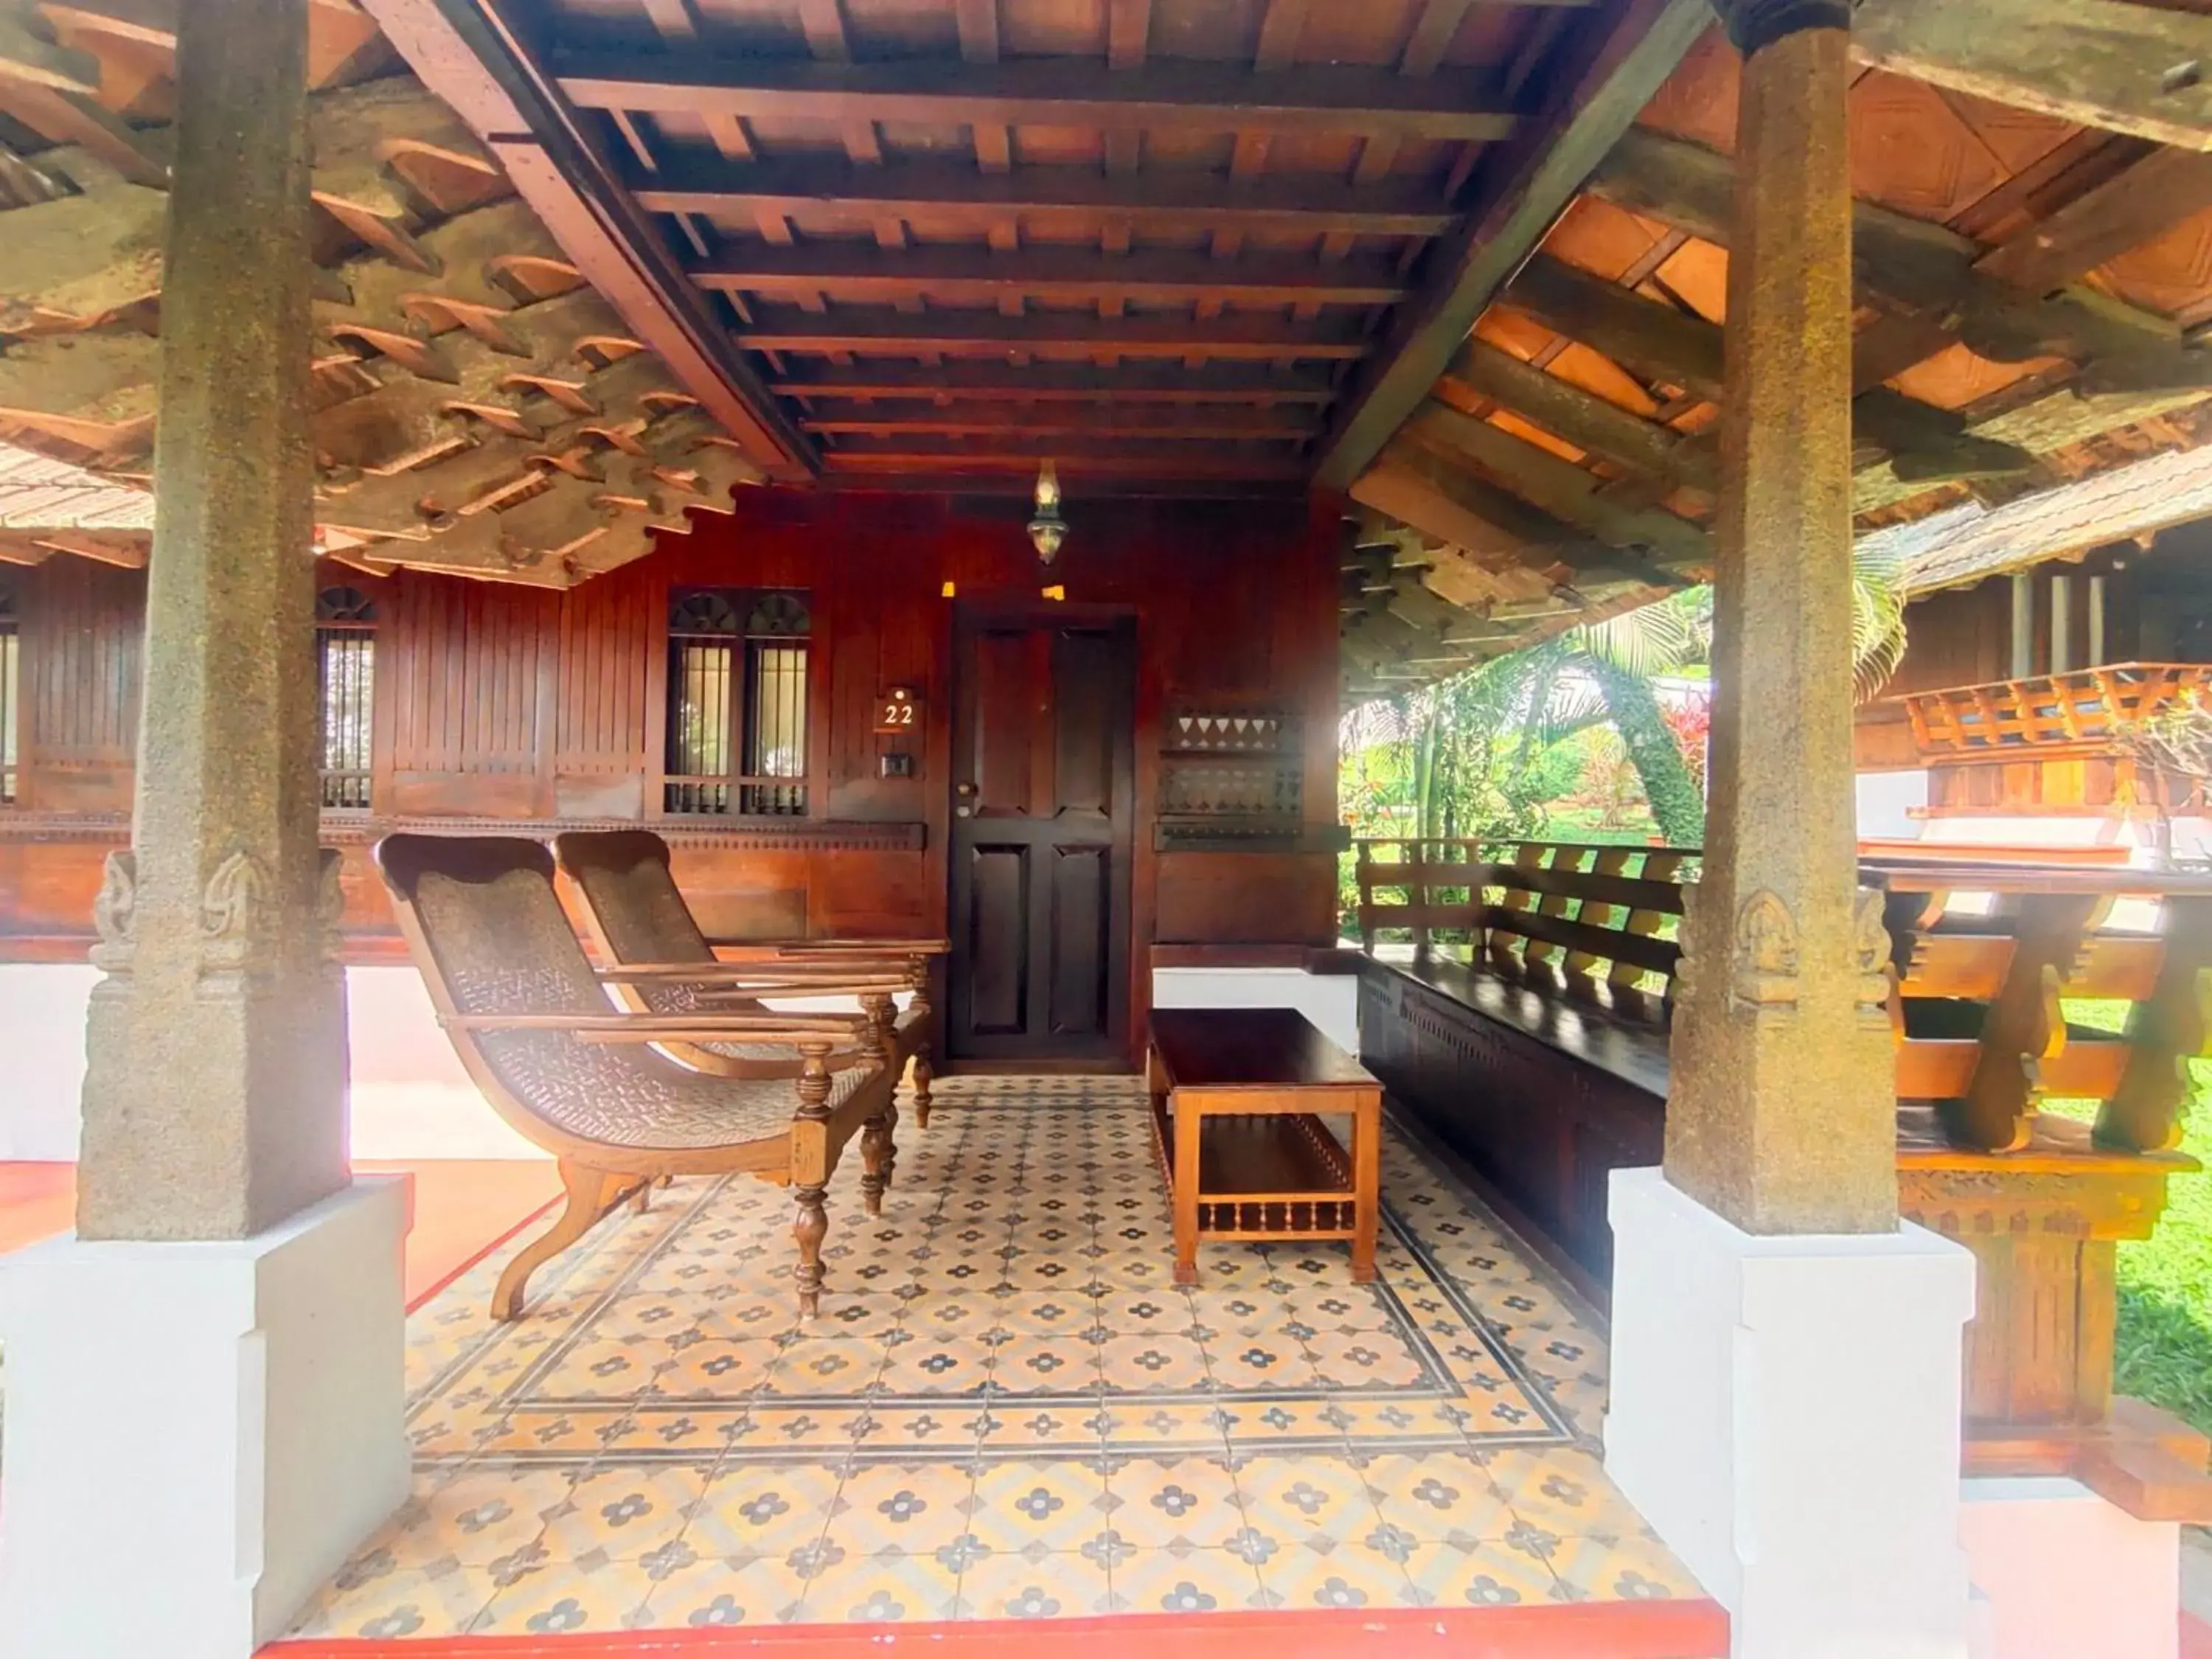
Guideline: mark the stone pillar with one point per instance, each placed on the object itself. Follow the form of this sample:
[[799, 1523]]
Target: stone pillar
[[213, 1098], [1780, 1113], [1786, 1357], [206, 1395]]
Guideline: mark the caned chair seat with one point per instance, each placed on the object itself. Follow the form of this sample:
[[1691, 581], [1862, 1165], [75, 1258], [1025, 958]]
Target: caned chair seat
[[636, 914], [532, 1024]]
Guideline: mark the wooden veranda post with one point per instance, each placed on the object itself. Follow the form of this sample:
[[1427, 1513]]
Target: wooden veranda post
[[1781, 1113], [213, 1098]]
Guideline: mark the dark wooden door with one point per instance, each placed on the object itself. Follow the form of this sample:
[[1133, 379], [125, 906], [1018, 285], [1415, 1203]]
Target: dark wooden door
[[1042, 715]]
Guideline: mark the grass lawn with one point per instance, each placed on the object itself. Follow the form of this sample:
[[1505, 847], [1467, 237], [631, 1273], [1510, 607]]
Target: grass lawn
[[2165, 1281]]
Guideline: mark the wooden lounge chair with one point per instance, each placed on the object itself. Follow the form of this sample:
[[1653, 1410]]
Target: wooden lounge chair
[[533, 1026], [638, 920]]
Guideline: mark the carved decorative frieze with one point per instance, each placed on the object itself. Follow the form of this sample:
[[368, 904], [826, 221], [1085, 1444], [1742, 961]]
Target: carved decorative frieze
[[1764, 973], [234, 913], [115, 914]]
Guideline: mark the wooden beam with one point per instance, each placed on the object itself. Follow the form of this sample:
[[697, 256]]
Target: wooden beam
[[1060, 334], [1047, 383], [1586, 419], [1164, 95], [1618, 65], [2103, 63], [1061, 420], [2159, 191], [1563, 490], [953, 193], [962, 275], [1156, 462], [1419, 490], [476, 65], [1685, 349], [1925, 268]]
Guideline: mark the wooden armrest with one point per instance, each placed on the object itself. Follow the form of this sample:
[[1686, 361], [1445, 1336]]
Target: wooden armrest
[[753, 990], [652, 1028], [791, 947], [774, 976], [711, 1031]]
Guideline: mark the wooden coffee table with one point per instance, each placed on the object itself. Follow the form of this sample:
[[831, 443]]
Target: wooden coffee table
[[1238, 1095]]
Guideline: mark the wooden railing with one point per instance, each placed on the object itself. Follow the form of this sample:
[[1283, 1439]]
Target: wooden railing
[[2050, 714], [1985, 958], [1594, 923]]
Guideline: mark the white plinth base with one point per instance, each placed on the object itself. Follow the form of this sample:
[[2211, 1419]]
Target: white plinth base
[[197, 1434], [1331, 1001], [2068, 1574], [1785, 1415]]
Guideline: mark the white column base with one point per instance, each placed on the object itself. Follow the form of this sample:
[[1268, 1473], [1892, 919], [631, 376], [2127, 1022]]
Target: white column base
[[1786, 1415], [198, 1434], [2069, 1574]]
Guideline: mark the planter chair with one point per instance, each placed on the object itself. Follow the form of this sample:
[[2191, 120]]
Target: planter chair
[[638, 920], [532, 1024]]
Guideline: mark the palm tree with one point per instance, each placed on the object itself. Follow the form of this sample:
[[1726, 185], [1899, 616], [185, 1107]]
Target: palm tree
[[1602, 673]]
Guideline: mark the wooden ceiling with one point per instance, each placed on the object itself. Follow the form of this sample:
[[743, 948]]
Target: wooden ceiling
[[1463, 258], [479, 409]]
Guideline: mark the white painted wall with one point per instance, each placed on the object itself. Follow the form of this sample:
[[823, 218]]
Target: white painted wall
[[1331, 1001], [410, 1096], [1887, 802]]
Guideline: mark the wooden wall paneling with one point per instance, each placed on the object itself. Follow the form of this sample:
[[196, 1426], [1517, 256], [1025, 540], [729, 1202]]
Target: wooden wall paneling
[[476, 662], [83, 627], [605, 679]]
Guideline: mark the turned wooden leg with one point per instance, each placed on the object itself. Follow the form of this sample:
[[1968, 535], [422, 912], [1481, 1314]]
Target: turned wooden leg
[[641, 1199], [591, 1193], [876, 1155], [810, 1228], [922, 1078]]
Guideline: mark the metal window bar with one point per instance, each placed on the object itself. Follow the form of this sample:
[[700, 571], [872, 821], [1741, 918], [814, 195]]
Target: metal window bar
[[345, 661], [775, 729], [699, 697], [9, 681]]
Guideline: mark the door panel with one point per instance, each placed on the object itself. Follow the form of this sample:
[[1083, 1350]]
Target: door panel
[[998, 967], [1043, 812], [1081, 909]]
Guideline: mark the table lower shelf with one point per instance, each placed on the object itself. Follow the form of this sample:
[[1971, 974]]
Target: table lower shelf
[[1281, 1175]]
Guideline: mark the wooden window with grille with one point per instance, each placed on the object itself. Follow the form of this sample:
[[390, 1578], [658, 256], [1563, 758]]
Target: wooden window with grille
[[11, 681], [345, 676], [737, 702]]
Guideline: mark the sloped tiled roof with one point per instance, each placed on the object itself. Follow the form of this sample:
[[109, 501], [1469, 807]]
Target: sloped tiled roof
[[39, 494], [1964, 543]]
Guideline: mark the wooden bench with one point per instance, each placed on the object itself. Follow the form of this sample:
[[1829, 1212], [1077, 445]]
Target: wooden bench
[[1238, 1096], [1524, 1020]]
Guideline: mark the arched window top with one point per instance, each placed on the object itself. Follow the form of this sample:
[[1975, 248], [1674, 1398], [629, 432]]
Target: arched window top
[[345, 605], [778, 614], [706, 610]]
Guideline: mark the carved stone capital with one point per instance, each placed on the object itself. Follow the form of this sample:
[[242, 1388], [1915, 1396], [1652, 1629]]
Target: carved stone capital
[[235, 923], [1764, 972], [1870, 955], [1752, 24], [115, 914]]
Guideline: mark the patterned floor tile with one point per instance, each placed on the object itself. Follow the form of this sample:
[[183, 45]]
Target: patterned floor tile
[[1060, 1504], [1487, 1575], [878, 1589], [1184, 1581], [1437, 1498], [400, 1604], [1005, 1586], [1190, 1501], [562, 1600], [624, 1511], [1343, 1578], [1002, 1381], [748, 1511], [714, 1594], [911, 1508]]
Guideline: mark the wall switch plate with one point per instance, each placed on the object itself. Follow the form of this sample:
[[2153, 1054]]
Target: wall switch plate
[[896, 765]]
